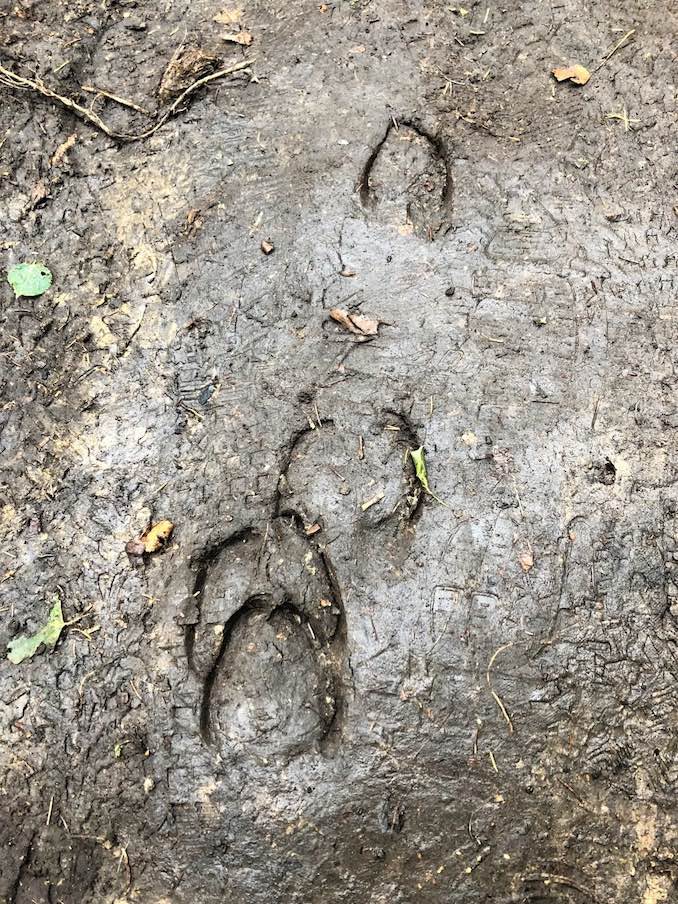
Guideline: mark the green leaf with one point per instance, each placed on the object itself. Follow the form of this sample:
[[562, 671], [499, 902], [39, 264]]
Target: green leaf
[[24, 647], [422, 476], [29, 279]]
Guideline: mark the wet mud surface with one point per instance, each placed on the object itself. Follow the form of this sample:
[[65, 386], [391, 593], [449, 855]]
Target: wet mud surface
[[330, 687]]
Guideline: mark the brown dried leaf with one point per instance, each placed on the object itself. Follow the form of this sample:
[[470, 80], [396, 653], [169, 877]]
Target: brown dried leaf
[[157, 536], [526, 560], [311, 529], [239, 37], [39, 194], [578, 75], [356, 323], [194, 221], [368, 326]]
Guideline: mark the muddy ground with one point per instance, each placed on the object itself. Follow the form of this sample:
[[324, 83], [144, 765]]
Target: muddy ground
[[305, 699]]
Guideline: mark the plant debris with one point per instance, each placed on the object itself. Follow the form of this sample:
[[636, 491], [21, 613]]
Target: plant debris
[[244, 38], [267, 247], [526, 561], [101, 92], [187, 65], [578, 75], [419, 461], [29, 280], [194, 221], [622, 42], [152, 540], [155, 538], [63, 149], [12, 80], [368, 503], [39, 194], [356, 323], [495, 696], [24, 647]]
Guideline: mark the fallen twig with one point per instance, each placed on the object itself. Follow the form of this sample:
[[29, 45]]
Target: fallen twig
[[118, 100], [553, 878], [12, 80], [495, 696], [622, 42]]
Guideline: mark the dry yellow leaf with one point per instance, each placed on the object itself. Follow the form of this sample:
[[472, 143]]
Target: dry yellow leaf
[[526, 560], [228, 16], [356, 323], [239, 37], [157, 536], [578, 75]]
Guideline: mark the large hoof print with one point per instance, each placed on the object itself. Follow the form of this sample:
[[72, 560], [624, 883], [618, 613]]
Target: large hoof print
[[353, 482], [269, 642], [270, 695], [406, 180]]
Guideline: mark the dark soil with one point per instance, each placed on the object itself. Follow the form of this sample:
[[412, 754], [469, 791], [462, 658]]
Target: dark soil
[[306, 699]]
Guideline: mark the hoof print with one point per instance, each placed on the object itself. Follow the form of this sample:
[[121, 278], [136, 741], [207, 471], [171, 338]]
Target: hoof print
[[269, 643], [268, 693], [406, 180]]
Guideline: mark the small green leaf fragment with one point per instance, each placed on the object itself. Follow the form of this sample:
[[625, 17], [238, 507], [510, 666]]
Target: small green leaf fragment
[[25, 647], [117, 750], [419, 462], [29, 280]]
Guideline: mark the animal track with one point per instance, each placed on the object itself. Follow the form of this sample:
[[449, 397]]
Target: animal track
[[267, 639], [333, 470], [269, 644], [406, 180]]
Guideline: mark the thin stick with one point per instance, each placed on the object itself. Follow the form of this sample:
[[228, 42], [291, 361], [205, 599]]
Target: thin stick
[[547, 878], [119, 100], [618, 46], [18, 81], [10, 78], [244, 64], [495, 696]]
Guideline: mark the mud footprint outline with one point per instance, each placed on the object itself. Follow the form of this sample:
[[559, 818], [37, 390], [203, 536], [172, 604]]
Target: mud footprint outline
[[279, 570], [425, 222]]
